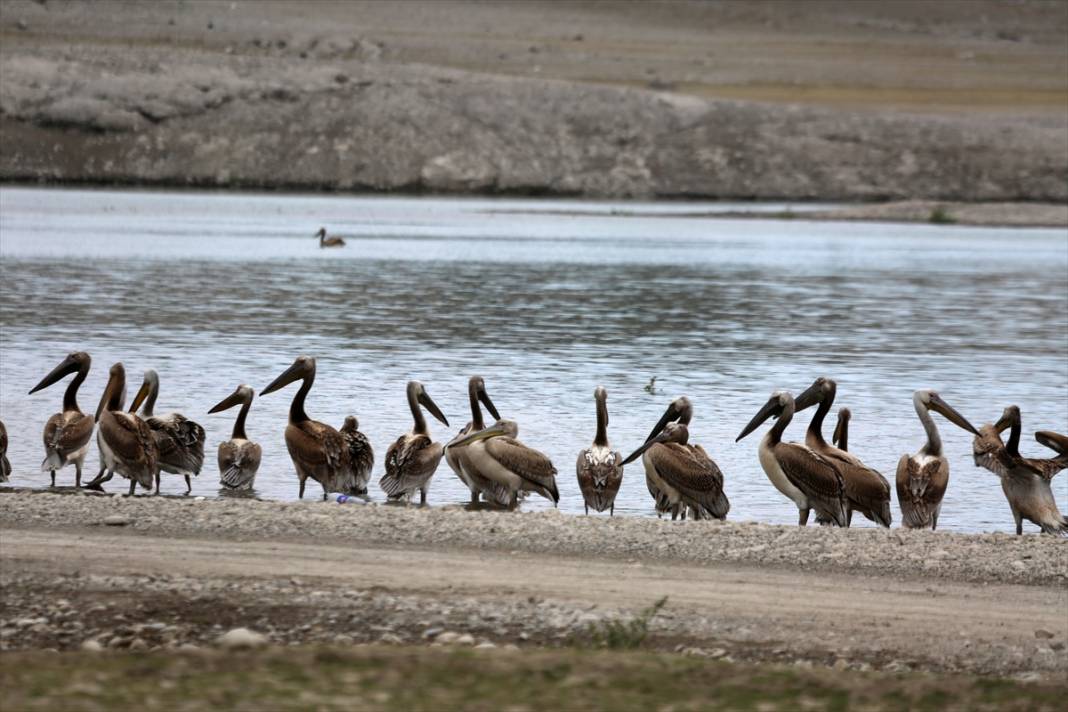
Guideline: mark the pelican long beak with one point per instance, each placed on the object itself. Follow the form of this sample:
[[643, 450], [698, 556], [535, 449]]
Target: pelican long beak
[[771, 408], [672, 413], [430, 405], [235, 398], [142, 393], [484, 398], [658, 438], [939, 405], [493, 431], [293, 373], [810, 397], [66, 367]]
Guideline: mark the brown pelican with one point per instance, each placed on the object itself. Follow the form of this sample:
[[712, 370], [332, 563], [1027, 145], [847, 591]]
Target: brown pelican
[[180, 440], [361, 456], [5, 464], [922, 478], [457, 458], [498, 455], [413, 458], [866, 490], [806, 477], [67, 434], [599, 468], [325, 241], [317, 450], [127, 445], [840, 438], [239, 457], [1025, 481], [680, 475]]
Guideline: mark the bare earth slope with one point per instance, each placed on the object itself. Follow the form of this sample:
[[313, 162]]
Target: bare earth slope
[[856, 101]]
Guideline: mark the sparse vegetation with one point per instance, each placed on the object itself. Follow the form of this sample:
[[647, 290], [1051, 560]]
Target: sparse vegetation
[[621, 633], [940, 216]]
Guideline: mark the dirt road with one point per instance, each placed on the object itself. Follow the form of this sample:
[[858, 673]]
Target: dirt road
[[739, 611]]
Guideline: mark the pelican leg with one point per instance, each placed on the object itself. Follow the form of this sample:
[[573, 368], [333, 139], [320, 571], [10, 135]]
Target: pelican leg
[[188, 485], [587, 508], [300, 493], [157, 482], [98, 480], [133, 484], [474, 496], [802, 517], [1019, 521], [326, 495], [849, 516], [422, 497], [514, 502], [612, 509], [53, 478]]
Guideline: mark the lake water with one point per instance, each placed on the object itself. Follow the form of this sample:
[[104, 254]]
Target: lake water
[[212, 290]]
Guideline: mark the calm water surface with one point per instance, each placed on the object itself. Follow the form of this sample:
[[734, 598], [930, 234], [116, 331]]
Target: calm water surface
[[214, 290]]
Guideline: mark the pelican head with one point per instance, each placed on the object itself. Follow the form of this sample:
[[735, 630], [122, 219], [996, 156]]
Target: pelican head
[[114, 392], [351, 424], [928, 399], [322, 233], [241, 395], [1010, 415], [844, 414], [75, 361], [680, 409], [149, 387], [775, 407], [302, 368], [502, 428], [417, 394], [476, 387], [822, 389], [673, 432]]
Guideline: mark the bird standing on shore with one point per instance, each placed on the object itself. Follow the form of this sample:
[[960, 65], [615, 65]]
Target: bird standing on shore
[[361, 456], [810, 480], [414, 457], [1025, 481], [126, 443], [239, 457], [599, 468], [922, 478], [67, 434], [498, 454], [332, 241], [5, 464], [456, 456], [866, 490], [180, 440]]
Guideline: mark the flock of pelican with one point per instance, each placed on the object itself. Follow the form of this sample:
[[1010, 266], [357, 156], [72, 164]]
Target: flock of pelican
[[499, 469]]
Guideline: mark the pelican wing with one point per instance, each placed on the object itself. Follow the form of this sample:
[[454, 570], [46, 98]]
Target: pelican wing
[[131, 442], [66, 433], [527, 463], [238, 462], [410, 462], [361, 456], [1046, 468], [866, 489], [989, 451], [692, 472], [920, 488], [815, 476], [180, 442], [316, 446], [599, 478]]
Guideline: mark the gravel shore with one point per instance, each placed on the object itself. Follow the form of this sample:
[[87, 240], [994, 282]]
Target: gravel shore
[[994, 557]]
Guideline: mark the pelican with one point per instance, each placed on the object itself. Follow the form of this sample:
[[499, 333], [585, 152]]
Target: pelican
[[806, 477], [180, 440], [361, 456], [67, 434], [127, 445], [497, 454], [413, 458], [922, 478], [239, 457], [1025, 481], [325, 241], [866, 490], [599, 468], [5, 465], [840, 438], [317, 450], [680, 475], [457, 458]]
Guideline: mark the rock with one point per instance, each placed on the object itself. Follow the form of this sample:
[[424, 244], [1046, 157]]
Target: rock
[[138, 644], [466, 639], [116, 520], [1042, 634], [1019, 565], [717, 653], [92, 646], [241, 639], [447, 638], [390, 639], [841, 664], [486, 645], [1057, 646], [189, 648]]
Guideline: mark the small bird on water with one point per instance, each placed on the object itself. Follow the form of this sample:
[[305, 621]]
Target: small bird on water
[[650, 387], [332, 241]]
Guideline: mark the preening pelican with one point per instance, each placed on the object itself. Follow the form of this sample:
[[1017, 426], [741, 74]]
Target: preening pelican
[[599, 468], [361, 456], [680, 475], [5, 465], [806, 477], [126, 443], [413, 458], [866, 490], [922, 478], [67, 434], [840, 438], [497, 454], [180, 440], [1025, 481], [325, 241], [239, 457], [317, 450], [457, 458]]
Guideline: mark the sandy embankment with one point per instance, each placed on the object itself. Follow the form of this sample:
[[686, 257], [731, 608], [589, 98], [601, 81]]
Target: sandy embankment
[[164, 572], [354, 97]]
